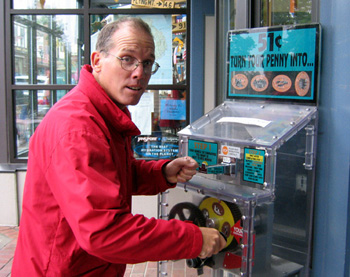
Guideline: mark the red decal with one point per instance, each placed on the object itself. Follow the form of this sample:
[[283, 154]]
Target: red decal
[[232, 261], [237, 231]]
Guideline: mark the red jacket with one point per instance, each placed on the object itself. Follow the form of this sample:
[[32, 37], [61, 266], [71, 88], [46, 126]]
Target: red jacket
[[76, 217]]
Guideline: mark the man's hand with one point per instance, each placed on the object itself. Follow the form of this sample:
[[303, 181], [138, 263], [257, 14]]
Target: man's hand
[[213, 242], [180, 170]]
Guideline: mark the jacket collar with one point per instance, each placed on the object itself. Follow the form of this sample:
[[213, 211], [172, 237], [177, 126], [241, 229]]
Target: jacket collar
[[119, 119]]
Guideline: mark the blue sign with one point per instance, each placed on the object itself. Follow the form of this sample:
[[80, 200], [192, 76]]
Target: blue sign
[[276, 62], [156, 147], [173, 109]]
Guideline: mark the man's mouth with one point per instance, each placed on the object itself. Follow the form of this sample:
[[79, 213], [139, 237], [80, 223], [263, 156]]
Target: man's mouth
[[135, 88]]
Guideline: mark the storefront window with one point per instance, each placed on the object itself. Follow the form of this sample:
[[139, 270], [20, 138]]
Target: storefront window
[[48, 51]]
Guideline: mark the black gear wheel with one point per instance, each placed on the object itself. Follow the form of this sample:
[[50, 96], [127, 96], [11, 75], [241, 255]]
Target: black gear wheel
[[186, 211], [236, 212]]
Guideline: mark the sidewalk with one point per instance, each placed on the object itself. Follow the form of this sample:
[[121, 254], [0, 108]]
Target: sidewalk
[[8, 240]]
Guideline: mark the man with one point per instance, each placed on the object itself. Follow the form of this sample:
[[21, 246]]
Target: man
[[76, 218]]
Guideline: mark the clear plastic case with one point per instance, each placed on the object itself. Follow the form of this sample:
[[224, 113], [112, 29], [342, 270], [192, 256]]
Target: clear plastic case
[[237, 142]]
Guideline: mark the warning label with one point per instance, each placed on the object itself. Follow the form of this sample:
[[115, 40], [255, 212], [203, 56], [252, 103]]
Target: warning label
[[231, 151]]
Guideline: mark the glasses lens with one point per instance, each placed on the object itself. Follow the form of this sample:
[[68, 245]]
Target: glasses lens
[[129, 63]]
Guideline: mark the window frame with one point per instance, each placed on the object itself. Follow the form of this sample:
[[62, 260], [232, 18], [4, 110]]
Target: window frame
[[10, 86]]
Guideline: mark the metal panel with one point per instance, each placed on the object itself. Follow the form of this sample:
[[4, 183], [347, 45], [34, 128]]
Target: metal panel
[[242, 15], [199, 9], [3, 126], [332, 188]]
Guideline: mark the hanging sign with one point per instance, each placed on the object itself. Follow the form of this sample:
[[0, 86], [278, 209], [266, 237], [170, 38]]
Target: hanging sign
[[275, 62], [154, 4], [173, 109], [179, 27]]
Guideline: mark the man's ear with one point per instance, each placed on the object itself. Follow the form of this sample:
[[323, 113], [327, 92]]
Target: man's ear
[[96, 61]]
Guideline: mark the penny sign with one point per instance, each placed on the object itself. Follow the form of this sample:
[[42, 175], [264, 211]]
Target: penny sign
[[274, 62]]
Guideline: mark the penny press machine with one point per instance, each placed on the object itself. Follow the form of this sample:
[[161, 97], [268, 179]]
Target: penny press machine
[[256, 155]]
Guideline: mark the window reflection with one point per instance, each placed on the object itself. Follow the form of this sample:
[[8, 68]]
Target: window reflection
[[159, 115], [48, 49], [31, 107], [169, 32], [160, 110], [47, 4], [281, 12], [172, 111], [179, 51]]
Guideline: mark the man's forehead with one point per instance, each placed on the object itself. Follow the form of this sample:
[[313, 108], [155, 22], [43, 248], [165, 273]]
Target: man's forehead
[[133, 35], [135, 50], [133, 42]]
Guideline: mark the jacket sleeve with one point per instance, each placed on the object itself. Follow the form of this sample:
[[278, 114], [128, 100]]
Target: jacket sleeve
[[87, 188], [148, 178]]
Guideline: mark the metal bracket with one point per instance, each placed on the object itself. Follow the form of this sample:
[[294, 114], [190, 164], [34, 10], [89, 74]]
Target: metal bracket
[[309, 147], [223, 168]]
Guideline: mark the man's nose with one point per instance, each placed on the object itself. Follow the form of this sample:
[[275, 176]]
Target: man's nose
[[139, 71]]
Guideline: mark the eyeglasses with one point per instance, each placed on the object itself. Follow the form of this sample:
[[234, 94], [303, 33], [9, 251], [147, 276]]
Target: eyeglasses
[[129, 63]]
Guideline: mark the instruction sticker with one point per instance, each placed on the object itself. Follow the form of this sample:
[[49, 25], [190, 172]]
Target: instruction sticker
[[203, 152], [254, 165]]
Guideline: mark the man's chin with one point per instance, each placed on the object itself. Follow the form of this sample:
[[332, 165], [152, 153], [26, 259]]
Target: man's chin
[[135, 100], [130, 103]]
